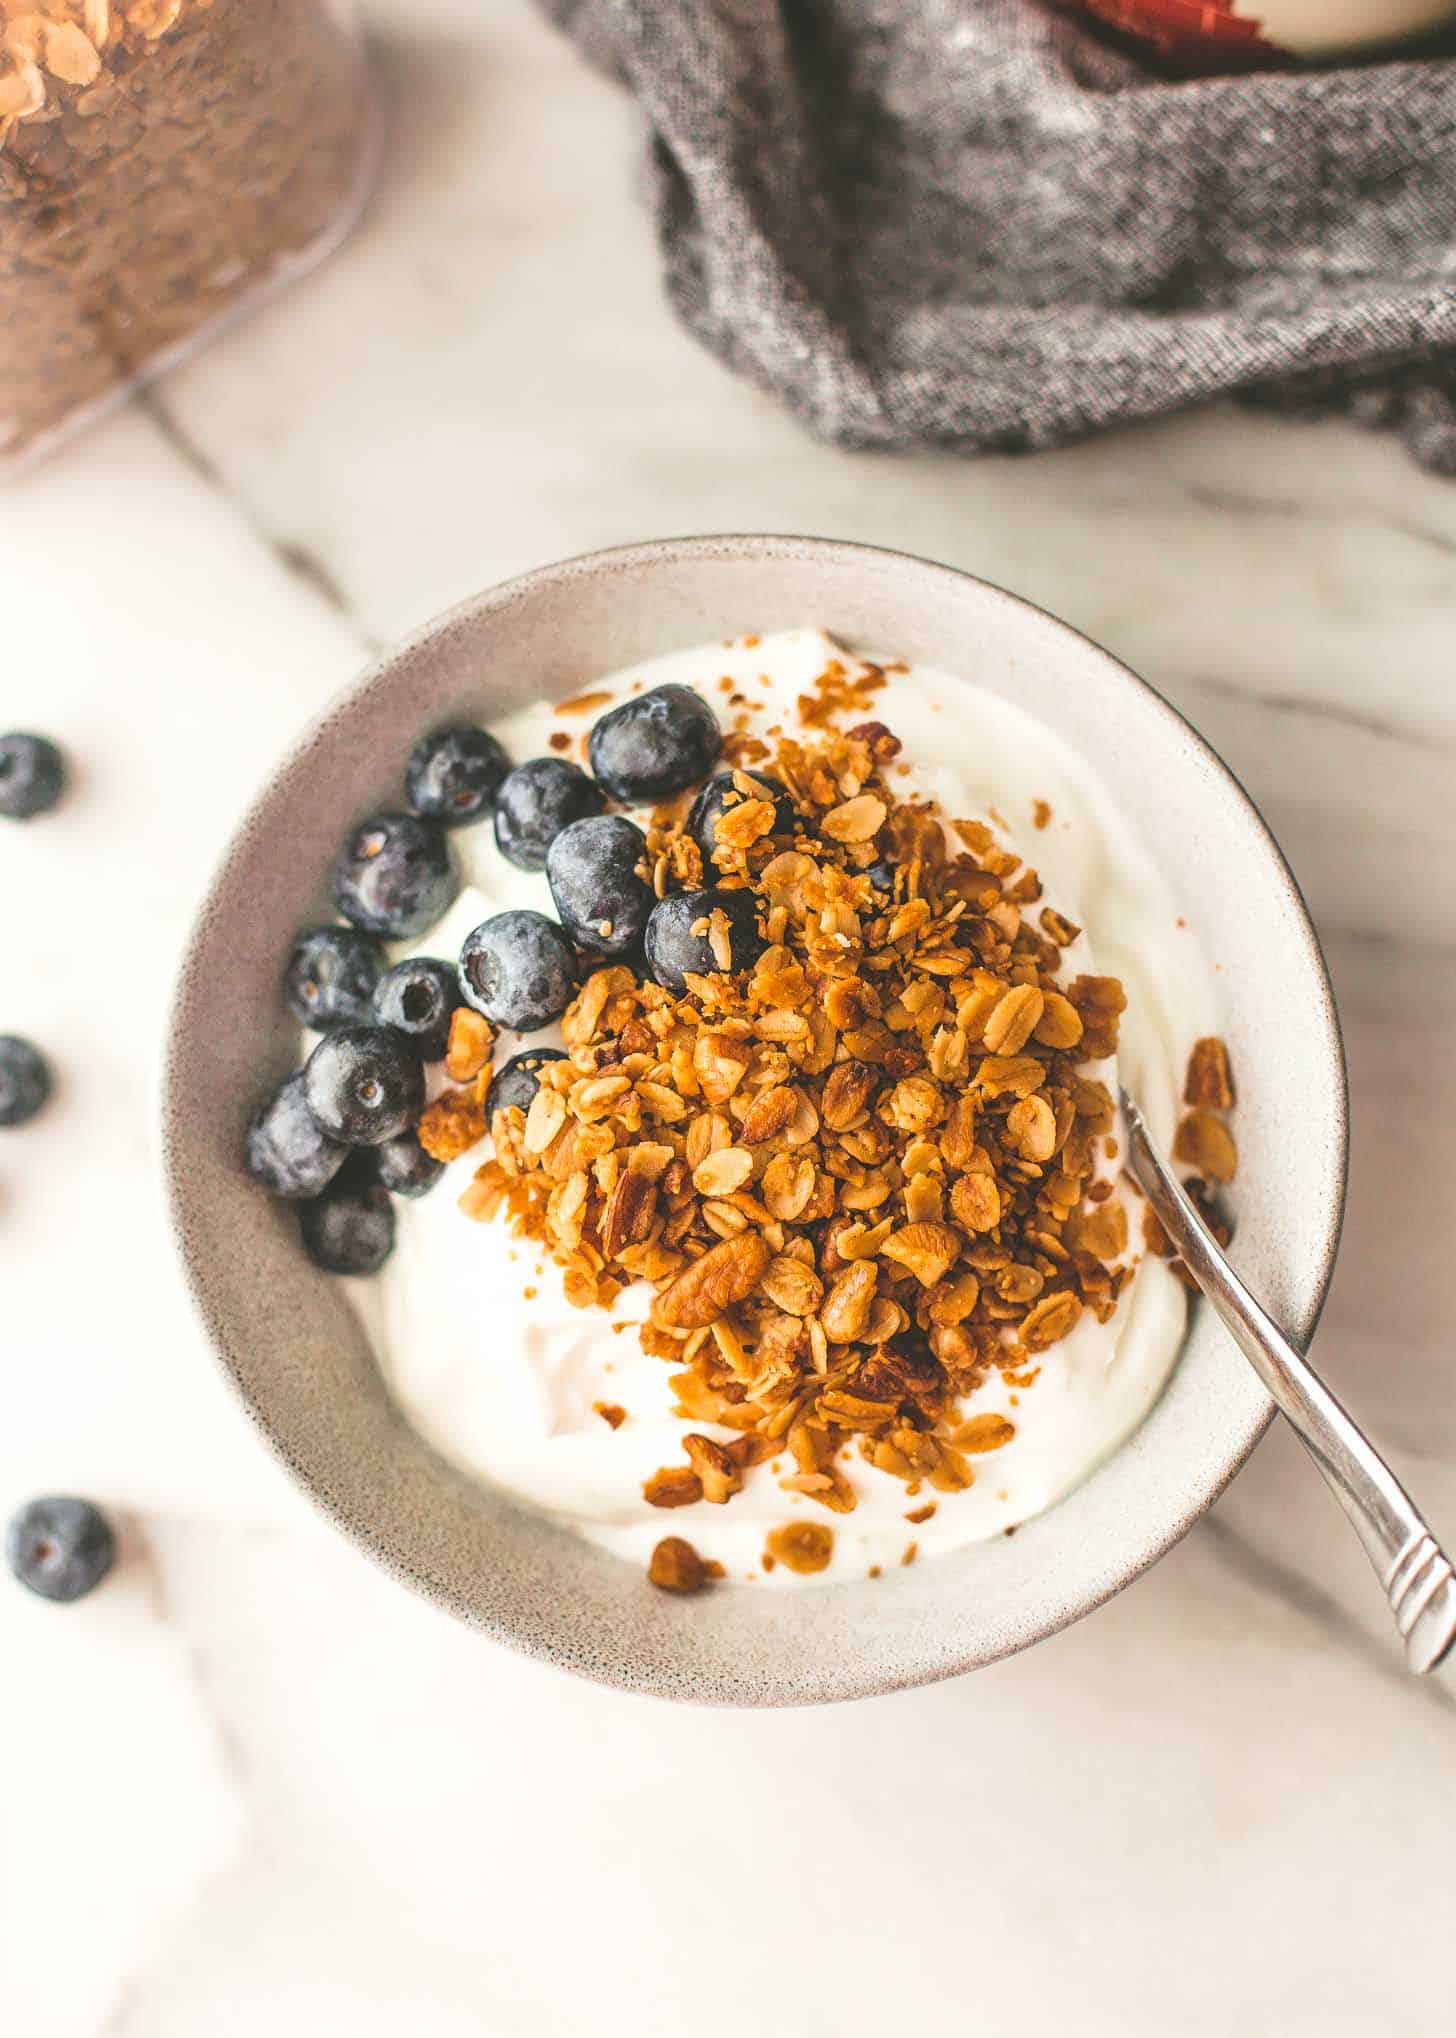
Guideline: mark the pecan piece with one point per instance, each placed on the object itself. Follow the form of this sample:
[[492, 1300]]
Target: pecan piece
[[718, 1472], [1209, 1084], [631, 1208], [725, 1274], [846, 1094], [771, 1113]]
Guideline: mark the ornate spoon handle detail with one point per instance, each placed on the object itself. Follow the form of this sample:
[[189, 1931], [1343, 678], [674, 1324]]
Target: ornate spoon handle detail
[[1415, 1575]]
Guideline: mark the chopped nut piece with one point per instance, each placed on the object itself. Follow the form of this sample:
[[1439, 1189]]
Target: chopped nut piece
[[470, 1047], [724, 1275], [718, 1473], [1205, 1142], [1209, 1085], [847, 1306], [672, 1486], [770, 1114], [802, 1546], [675, 1566]]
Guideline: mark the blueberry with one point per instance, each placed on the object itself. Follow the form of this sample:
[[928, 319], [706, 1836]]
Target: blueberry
[[32, 775], [454, 775], [519, 969], [720, 793], [331, 976], [518, 1082], [881, 875], [593, 875], [287, 1150], [395, 876], [404, 1167], [59, 1547], [364, 1084], [536, 802], [25, 1079], [349, 1229], [655, 745], [418, 998], [672, 947]]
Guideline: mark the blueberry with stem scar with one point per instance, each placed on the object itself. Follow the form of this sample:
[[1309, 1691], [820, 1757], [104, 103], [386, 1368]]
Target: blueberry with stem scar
[[519, 970], [60, 1548], [364, 1084]]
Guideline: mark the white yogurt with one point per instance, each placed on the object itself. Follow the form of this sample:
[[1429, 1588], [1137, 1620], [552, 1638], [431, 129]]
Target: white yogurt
[[501, 1374]]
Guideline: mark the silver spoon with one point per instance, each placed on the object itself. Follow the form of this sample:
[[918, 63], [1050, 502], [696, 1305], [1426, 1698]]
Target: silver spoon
[[1415, 1575]]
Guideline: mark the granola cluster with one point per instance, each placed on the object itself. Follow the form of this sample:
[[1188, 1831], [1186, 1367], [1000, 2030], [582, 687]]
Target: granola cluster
[[861, 1174], [158, 159]]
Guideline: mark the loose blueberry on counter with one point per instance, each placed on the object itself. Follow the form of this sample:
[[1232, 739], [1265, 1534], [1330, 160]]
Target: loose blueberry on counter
[[349, 1229], [25, 1080], [404, 1167], [592, 869], [61, 1548], [536, 802], [395, 875], [418, 998], [454, 775], [672, 948], [518, 1082], [32, 775], [519, 969], [655, 745], [287, 1150], [331, 976], [720, 794], [364, 1084]]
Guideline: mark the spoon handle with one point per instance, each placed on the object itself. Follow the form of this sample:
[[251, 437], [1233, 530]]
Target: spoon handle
[[1415, 1575]]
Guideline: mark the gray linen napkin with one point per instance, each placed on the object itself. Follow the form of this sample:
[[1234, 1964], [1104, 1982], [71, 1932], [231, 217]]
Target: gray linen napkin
[[975, 224]]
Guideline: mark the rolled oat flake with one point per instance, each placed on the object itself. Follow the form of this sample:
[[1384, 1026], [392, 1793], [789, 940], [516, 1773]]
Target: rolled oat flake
[[163, 163]]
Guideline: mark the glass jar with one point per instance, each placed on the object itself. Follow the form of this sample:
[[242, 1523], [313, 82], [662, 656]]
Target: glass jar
[[163, 164]]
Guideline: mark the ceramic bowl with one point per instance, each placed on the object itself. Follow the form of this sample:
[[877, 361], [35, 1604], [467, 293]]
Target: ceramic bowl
[[289, 1340]]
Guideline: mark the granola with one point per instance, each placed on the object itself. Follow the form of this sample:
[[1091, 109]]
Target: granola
[[860, 1175]]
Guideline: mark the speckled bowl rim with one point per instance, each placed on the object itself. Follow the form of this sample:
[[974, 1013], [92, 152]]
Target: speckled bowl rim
[[851, 1681]]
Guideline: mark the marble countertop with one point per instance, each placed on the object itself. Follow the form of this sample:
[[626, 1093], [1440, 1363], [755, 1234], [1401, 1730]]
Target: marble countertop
[[252, 1784]]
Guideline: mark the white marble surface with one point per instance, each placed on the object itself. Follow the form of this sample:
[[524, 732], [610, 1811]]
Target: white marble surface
[[252, 1785]]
